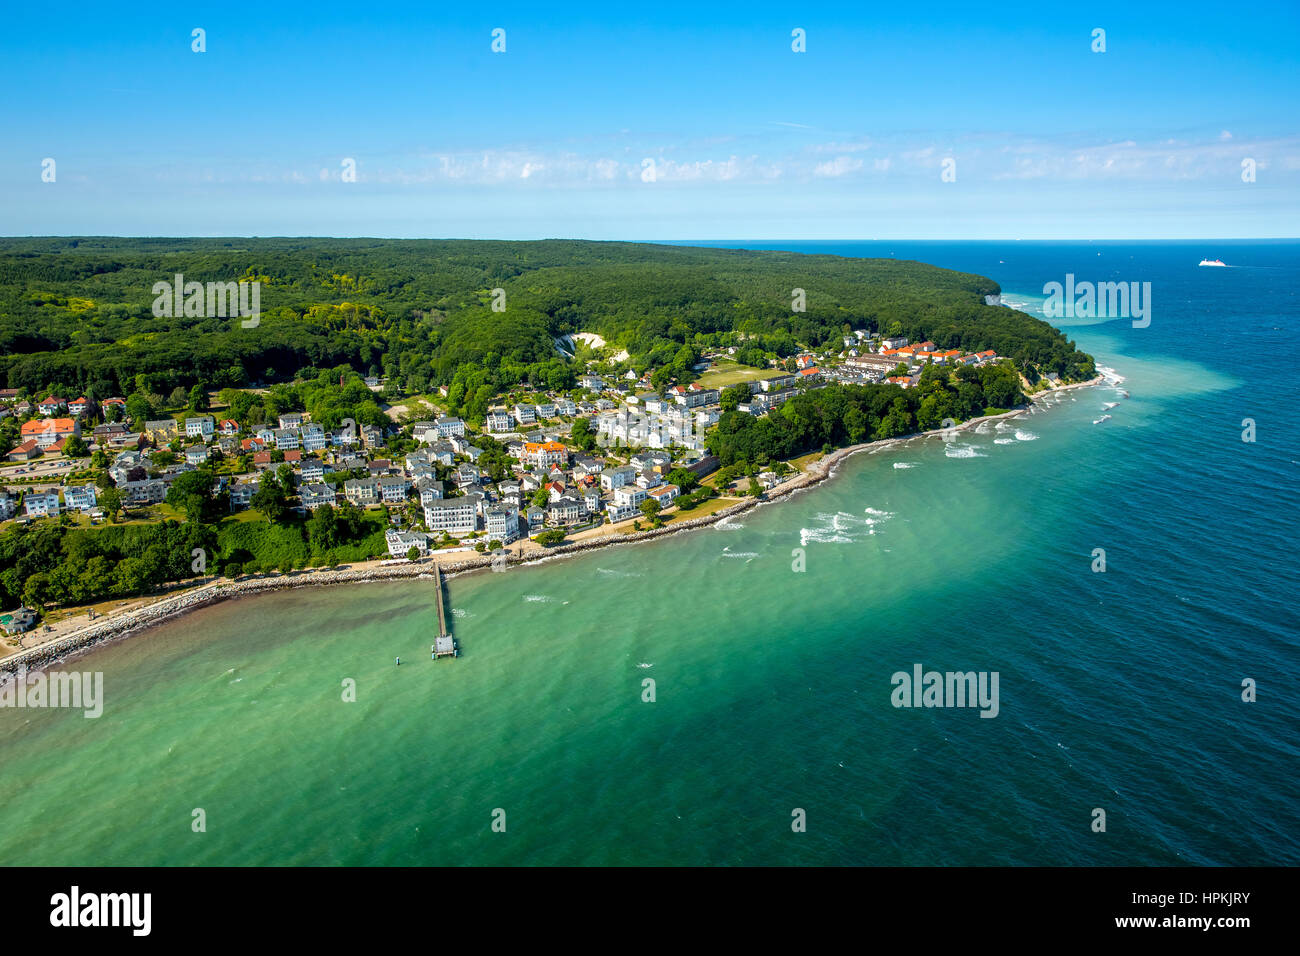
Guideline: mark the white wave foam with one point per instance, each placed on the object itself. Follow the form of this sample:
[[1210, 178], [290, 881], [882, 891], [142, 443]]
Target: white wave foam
[[740, 554], [1023, 435], [904, 464], [539, 598], [821, 536], [963, 451], [843, 527], [1004, 441], [611, 572]]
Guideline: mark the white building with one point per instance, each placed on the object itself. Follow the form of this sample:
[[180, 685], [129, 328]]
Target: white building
[[617, 512], [705, 396], [79, 497], [286, 439], [315, 495], [202, 426], [613, 478], [392, 489], [501, 524], [450, 426], [41, 503], [241, 492], [452, 515], [362, 491], [629, 496], [314, 438], [401, 542], [664, 494]]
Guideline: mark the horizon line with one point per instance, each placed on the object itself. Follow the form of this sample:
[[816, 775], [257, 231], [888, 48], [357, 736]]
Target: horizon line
[[663, 241]]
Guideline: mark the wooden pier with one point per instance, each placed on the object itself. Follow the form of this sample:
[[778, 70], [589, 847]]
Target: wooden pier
[[444, 645]]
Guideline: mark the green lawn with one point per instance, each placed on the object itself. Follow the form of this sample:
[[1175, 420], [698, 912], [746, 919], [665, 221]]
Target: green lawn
[[730, 373], [700, 510], [803, 461]]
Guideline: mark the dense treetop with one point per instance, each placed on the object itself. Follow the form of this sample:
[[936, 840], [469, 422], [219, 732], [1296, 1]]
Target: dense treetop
[[76, 313]]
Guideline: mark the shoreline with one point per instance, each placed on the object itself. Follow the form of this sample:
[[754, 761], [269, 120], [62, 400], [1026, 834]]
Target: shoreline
[[138, 619]]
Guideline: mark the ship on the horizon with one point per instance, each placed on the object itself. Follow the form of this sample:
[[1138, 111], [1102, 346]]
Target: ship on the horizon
[[1213, 262]]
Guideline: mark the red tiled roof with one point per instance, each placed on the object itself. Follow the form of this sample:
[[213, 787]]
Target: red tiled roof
[[44, 426]]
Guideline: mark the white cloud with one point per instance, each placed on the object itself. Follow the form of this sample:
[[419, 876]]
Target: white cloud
[[839, 166], [986, 158]]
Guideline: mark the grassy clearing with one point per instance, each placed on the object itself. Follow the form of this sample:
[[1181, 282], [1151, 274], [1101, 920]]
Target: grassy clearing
[[700, 510], [730, 373], [803, 461]]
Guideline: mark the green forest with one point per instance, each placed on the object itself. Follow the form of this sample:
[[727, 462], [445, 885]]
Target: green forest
[[76, 313], [848, 414], [48, 562]]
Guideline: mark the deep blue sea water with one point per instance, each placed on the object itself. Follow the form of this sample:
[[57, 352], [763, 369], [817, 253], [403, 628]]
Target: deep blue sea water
[[1119, 691]]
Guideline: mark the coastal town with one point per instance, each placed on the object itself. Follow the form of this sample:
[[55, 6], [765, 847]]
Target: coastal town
[[541, 467]]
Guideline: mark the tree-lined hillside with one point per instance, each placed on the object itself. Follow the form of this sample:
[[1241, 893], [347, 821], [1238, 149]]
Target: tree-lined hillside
[[75, 313]]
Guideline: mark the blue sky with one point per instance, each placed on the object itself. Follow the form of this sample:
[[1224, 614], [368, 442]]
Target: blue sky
[[748, 139]]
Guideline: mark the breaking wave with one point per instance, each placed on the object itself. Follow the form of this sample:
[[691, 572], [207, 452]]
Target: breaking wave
[[843, 527]]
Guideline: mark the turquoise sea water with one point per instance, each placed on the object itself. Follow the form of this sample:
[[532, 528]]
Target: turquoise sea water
[[1118, 690]]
